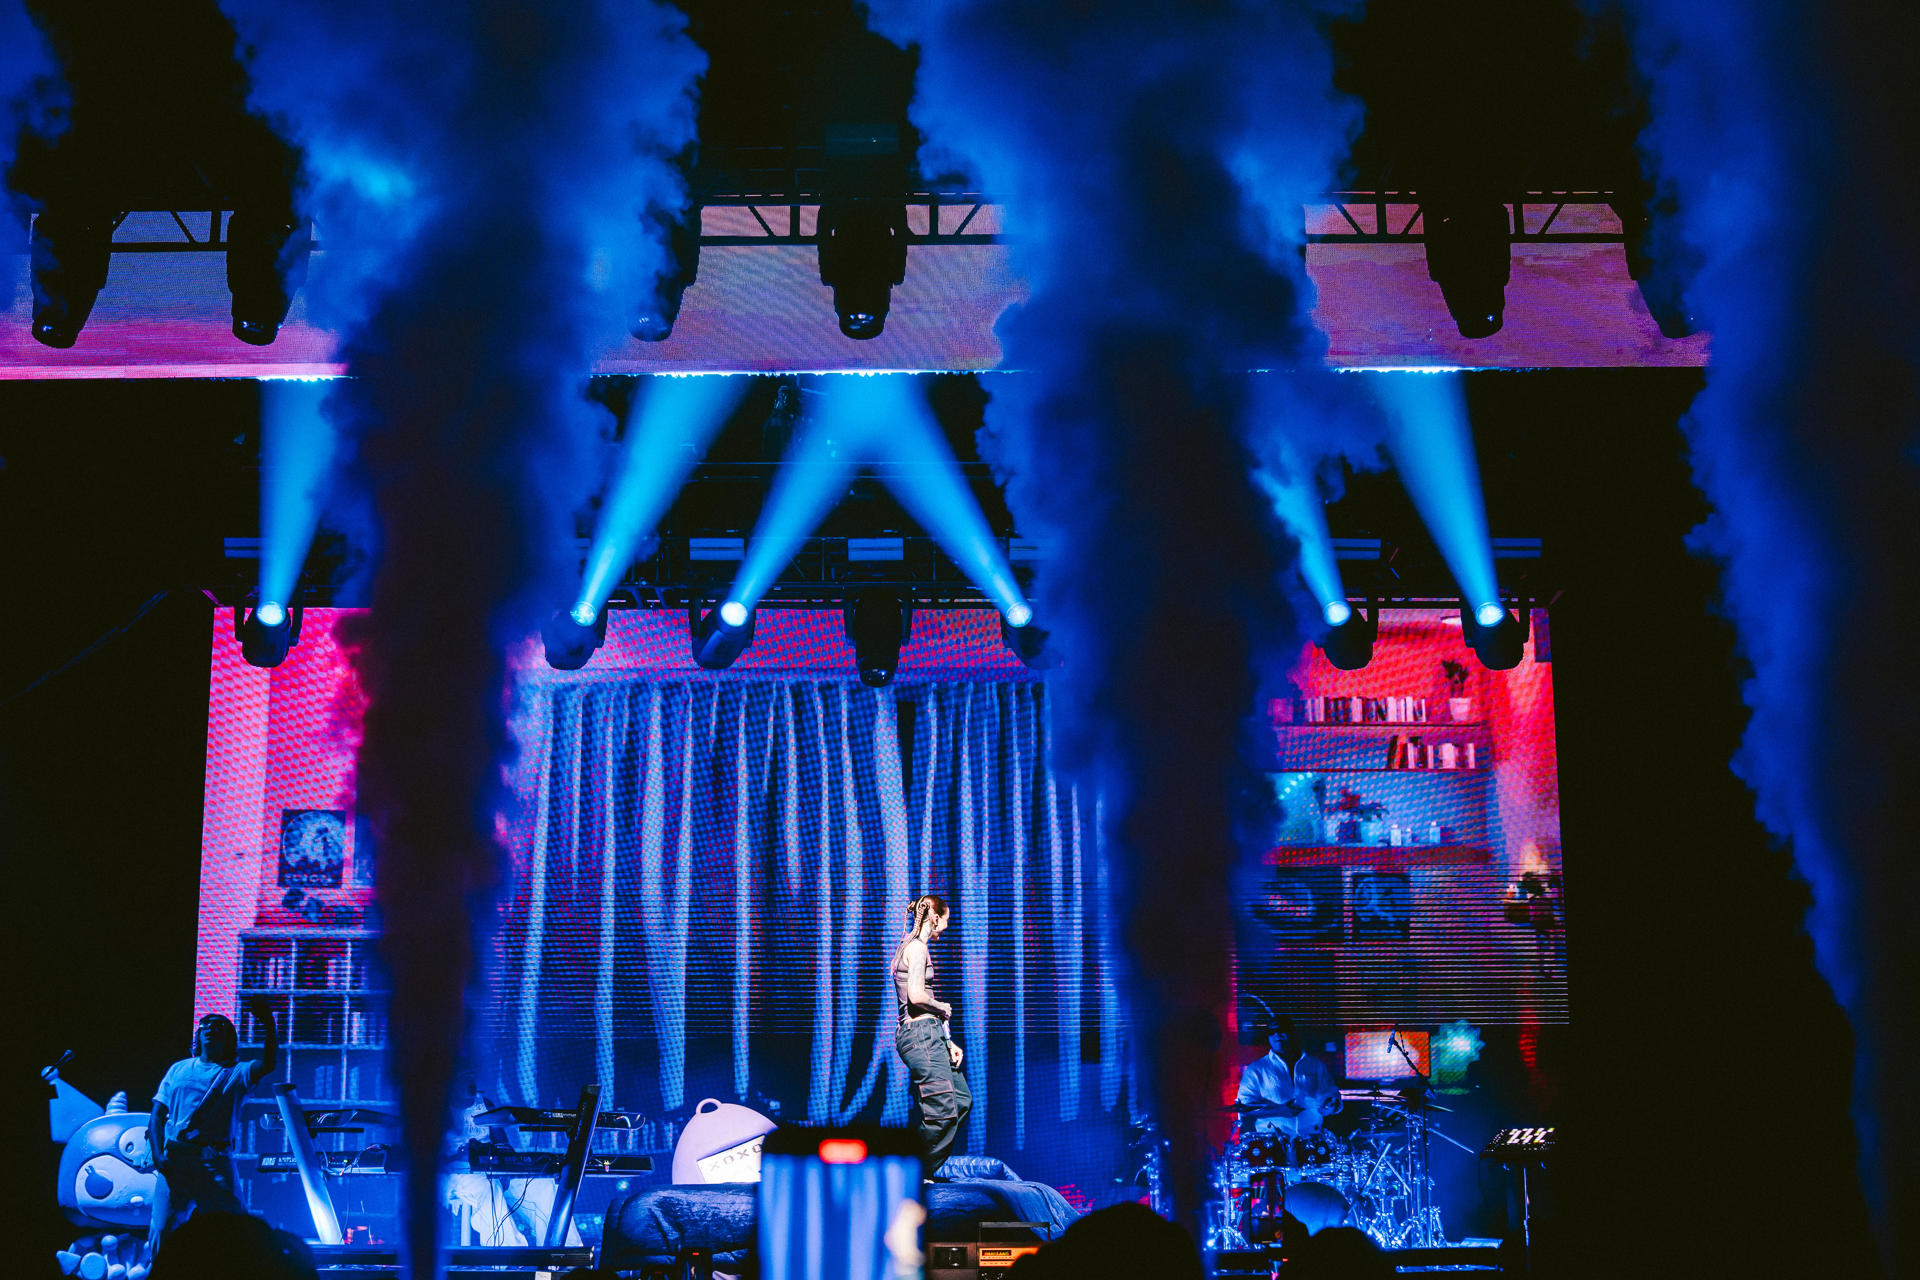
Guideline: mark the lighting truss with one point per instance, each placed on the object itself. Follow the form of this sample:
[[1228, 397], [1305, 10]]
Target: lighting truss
[[194, 230], [820, 575], [1394, 217], [780, 213], [674, 570]]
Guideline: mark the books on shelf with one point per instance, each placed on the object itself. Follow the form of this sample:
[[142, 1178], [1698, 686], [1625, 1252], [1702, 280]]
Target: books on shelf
[[1414, 751], [280, 964], [1327, 709]]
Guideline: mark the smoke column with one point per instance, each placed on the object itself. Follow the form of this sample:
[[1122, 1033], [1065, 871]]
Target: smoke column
[[1767, 123], [1151, 158], [23, 59], [477, 172]]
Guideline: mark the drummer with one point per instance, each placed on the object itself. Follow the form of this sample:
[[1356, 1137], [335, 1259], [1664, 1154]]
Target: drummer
[[1288, 1091]]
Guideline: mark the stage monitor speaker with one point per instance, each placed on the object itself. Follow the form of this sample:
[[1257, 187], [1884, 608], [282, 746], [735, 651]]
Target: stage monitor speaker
[[1001, 1244]]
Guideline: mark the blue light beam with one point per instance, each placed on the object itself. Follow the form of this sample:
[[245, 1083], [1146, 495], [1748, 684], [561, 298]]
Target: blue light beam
[[669, 428], [1431, 444], [928, 482], [865, 419], [296, 468], [1297, 502], [825, 452]]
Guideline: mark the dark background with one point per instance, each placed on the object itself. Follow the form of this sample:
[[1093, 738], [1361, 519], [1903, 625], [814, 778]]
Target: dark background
[[1706, 1073]]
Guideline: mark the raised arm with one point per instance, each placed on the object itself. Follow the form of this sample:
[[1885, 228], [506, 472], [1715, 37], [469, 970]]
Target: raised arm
[[1327, 1096], [260, 1068], [918, 997]]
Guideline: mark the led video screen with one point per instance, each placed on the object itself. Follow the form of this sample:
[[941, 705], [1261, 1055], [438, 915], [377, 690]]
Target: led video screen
[[710, 873]]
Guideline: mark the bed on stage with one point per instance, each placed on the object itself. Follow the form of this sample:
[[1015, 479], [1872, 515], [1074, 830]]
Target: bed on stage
[[651, 1228]]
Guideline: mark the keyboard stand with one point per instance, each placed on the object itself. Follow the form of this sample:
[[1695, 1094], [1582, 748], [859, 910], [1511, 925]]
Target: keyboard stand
[[579, 1147], [313, 1174]]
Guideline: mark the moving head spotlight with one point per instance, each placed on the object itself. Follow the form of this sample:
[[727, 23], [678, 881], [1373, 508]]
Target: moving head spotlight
[[1501, 644], [1027, 643], [722, 635], [266, 265], [570, 643], [69, 267], [1658, 258], [682, 237], [1349, 643], [863, 254], [879, 622], [1470, 257], [267, 631]]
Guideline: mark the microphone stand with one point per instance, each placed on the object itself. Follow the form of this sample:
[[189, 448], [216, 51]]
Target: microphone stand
[[1422, 1184]]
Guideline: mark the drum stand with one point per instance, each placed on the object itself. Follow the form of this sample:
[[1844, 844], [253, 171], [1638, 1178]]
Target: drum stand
[[1222, 1219], [1386, 1191]]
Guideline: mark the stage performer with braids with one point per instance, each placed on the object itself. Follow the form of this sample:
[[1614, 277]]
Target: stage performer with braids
[[924, 1036]]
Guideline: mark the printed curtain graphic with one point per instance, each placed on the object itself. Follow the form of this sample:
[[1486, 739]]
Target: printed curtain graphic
[[728, 863]]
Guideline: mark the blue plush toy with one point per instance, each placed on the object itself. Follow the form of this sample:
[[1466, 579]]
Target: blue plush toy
[[102, 1185]]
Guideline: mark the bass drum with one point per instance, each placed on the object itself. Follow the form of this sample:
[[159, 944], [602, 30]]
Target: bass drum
[[1317, 1206]]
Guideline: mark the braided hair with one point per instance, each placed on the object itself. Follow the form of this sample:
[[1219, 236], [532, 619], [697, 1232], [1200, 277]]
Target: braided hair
[[216, 1036], [922, 911]]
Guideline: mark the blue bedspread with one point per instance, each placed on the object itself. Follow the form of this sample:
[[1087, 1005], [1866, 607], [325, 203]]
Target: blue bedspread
[[650, 1228]]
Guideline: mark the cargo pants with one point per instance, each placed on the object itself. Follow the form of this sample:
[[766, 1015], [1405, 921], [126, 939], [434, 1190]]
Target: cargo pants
[[938, 1086]]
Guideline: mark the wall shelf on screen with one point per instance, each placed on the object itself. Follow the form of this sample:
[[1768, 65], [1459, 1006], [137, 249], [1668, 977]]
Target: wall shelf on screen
[[1333, 770], [1390, 857], [297, 961], [1478, 771], [1286, 726], [322, 984], [1360, 748]]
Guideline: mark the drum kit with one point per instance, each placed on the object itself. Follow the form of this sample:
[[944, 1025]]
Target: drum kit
[[1374, 1178]]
